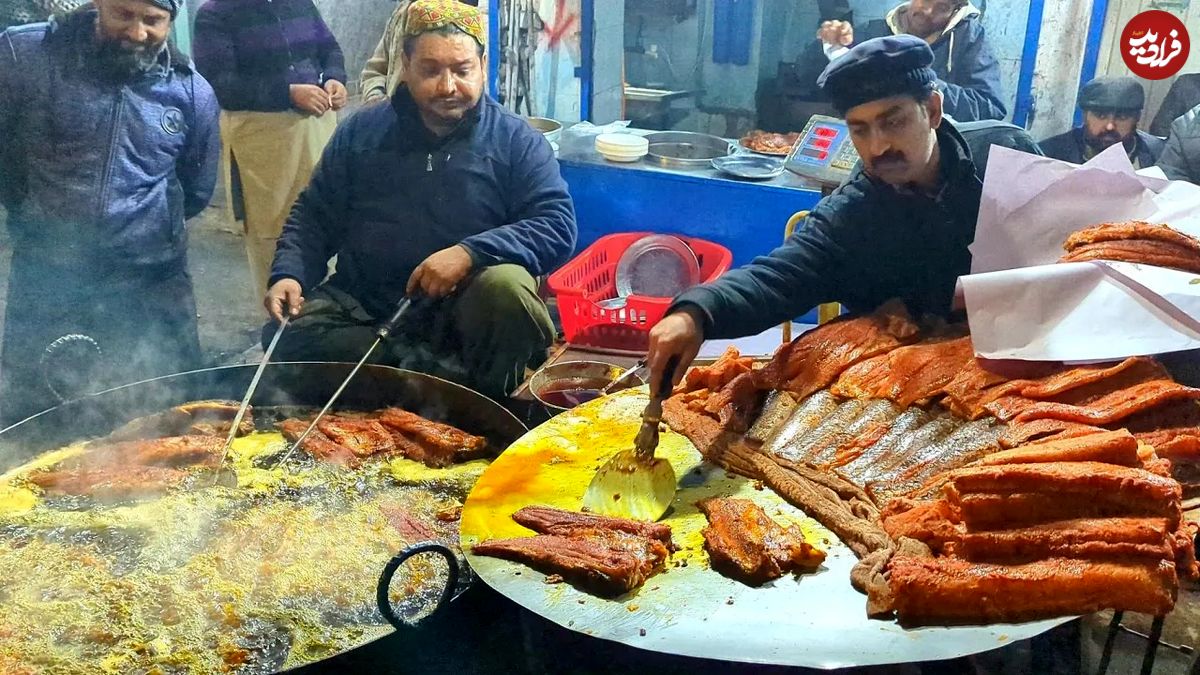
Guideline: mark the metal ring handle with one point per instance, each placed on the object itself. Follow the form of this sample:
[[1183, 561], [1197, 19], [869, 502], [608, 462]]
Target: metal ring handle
[[57, 345], [389, 571]]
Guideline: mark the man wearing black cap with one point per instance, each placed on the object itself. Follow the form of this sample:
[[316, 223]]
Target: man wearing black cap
[[1111, 108], [108, 141], [899, 229]]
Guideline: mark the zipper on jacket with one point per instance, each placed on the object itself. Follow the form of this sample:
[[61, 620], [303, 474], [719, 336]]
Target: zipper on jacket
[[429, 163], [112, 145]]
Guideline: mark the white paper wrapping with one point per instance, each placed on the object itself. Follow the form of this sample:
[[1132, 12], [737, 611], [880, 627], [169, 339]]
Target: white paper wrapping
[[1022, 305]]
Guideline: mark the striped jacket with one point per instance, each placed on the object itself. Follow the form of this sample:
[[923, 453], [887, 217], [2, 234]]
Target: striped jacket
[[253, 50]]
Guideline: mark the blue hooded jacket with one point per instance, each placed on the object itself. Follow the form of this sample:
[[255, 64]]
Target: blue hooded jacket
[[98, 173]]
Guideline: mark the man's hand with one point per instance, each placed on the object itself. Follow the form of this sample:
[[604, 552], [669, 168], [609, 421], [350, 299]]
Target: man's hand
[[440, 273], [837, 33], [287, 295], [337, 94], [309, 98], [678, 335]]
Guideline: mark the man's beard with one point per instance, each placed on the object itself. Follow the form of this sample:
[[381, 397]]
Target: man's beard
[[1103, 141], [124, 59]]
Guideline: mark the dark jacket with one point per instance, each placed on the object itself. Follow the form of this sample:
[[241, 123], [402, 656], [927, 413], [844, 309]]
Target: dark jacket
[[254, 50], [860, 246], [95, 169], [1180, 159], [1070, 147], [968, 72], [387, 194], [1183, 95]]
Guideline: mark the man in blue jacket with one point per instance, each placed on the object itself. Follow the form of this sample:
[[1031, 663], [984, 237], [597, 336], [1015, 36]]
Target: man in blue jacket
[[899, 229], [1111, 107], [109, 142], [968, 73], [439, 194]]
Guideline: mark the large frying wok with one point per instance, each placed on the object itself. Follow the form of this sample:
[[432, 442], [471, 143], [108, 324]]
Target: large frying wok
[[283, 384]]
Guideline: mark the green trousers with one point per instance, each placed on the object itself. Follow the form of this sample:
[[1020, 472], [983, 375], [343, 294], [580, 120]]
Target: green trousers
[[483, 336]]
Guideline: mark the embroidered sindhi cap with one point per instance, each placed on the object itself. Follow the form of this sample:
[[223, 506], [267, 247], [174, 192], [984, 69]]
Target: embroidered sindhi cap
[[425, 16], [879, 68]]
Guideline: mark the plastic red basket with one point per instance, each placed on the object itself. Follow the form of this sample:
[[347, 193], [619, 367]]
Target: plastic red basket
[[590, 278]]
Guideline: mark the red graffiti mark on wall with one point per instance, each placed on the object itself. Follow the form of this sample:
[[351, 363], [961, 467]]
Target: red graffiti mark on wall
[[564, 22]]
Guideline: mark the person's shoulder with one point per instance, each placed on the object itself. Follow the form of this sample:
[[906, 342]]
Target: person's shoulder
[[23, 39], [1187, 124], [503, 118], [1058, 140]]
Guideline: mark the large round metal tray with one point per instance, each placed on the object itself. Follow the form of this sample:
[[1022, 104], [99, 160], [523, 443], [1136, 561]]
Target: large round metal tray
[[657, 266], [814, 620], [686, 150]]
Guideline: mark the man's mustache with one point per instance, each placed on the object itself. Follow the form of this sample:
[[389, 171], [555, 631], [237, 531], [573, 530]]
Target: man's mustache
[[888, 160]]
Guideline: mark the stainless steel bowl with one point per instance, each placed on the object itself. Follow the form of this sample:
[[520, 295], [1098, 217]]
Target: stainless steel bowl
[[687, 150], [562, 386], [551, 129]]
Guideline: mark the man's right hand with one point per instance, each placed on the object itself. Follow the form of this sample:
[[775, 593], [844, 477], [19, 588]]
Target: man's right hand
[[309, 98], [836, 33], [679, 334], [287, 295]]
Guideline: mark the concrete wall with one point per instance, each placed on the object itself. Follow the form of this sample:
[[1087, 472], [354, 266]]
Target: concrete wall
[[358, 25], [608, 61]]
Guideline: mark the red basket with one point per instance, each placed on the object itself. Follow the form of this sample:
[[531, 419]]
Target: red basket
[[590, 278]]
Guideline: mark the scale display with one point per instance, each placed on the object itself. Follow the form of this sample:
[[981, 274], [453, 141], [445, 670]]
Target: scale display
[[824, 152]]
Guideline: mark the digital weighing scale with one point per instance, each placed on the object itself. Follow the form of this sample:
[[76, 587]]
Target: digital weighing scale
[[824, 152]]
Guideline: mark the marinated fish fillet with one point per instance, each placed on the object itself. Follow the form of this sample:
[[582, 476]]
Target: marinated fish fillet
[[721, 372], [970, 388], [1110, 447], [109, 483], [991, 510], [941, 591], [317, 445], [814, 360], [360, 436], [702, 430], [1089, 539], [176, 451], [1115, 406], [1145, 252], [207, 418], [906, 375], [933, 522], [1017, 434], [412, 528], [965, 445], [1141, 490], [1131, 230], [909, 449], [548, 520], [743, 543], [443, 444], [600, 561], [735, 403], [977, 392], [1079, 386], [1173, 429]]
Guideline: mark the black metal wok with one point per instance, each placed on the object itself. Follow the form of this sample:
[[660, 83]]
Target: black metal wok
[[283, 384]]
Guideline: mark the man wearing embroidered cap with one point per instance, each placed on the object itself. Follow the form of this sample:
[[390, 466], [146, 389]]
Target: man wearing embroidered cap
[[1111, 108], [108, 142], [899, 228], [443, 196]]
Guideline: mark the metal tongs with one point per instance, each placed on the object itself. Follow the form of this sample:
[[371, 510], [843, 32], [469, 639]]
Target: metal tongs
[[623, 382], [385, 329]]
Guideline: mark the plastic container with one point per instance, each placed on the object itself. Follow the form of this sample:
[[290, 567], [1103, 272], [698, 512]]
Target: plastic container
[[582, 285]]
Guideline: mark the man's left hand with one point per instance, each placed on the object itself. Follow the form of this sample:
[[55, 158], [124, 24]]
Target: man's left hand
[[337, 94], [440, 273]]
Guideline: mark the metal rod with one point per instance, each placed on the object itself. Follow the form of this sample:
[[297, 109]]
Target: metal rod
[[332, 400], [1183, 649], [1114, 627], [241, 413], [1152, 645]]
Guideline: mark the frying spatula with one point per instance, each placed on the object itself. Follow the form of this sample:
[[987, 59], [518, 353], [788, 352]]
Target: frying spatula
[[634, 483]]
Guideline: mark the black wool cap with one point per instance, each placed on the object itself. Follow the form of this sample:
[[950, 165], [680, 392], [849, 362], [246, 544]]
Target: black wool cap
[[171, 6], [888, 66], [1112, 93]]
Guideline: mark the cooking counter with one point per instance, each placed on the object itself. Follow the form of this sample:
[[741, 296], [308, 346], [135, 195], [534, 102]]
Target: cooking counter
[[747, 217]]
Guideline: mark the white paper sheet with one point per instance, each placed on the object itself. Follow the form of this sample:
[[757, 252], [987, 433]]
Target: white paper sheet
[[1021, 305]]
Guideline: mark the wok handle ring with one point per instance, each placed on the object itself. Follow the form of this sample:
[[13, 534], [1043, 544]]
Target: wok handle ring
[[389, 571]]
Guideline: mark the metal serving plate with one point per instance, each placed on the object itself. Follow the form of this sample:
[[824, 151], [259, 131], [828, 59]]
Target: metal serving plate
[[814, 620], [657, 266], [686, 150], [750, 167]]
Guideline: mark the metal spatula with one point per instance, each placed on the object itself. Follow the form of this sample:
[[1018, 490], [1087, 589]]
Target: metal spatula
[[634, 483]]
